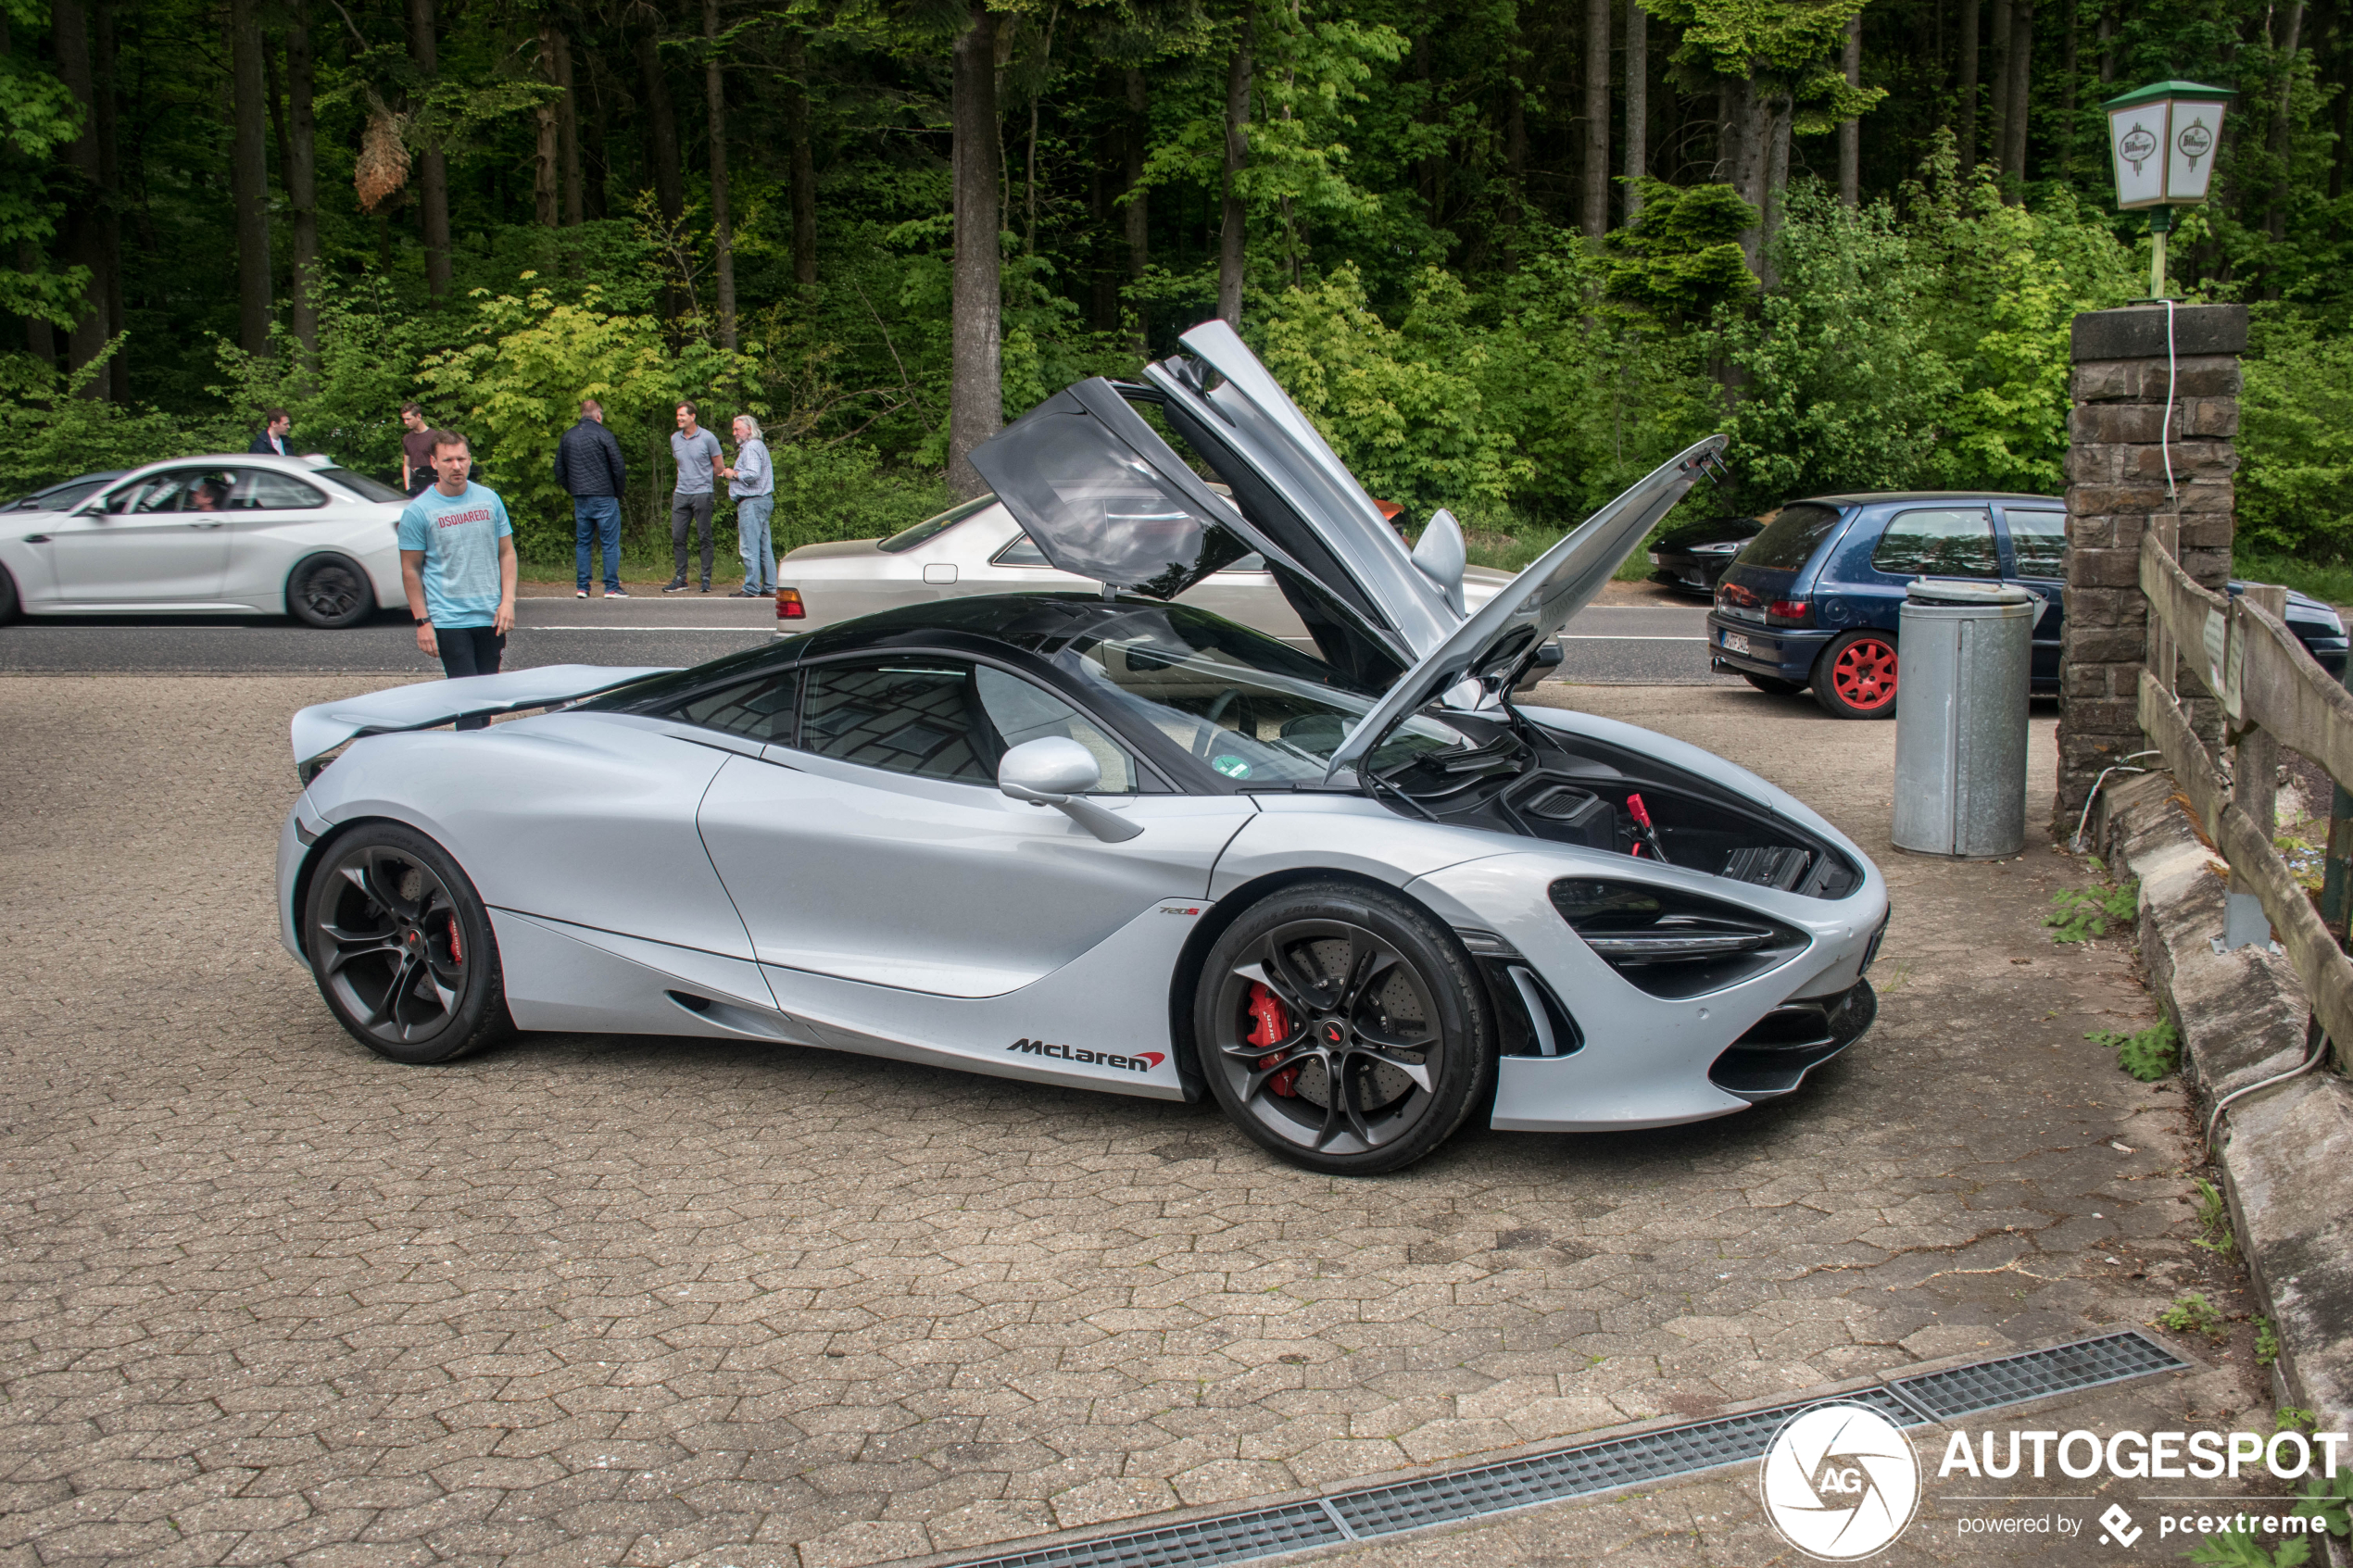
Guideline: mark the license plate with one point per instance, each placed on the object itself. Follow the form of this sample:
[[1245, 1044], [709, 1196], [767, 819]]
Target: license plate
[[1735, 643]]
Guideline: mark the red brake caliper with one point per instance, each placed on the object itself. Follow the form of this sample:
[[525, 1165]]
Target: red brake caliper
[[1270, 1025], [455, 954]]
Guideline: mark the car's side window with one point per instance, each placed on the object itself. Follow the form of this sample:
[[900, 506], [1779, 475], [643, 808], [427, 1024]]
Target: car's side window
[[941, 719], [1939, 542], [1250, 563], [759, 710], [268, 490], [1023, 551], [182, 490], [2038, 540]]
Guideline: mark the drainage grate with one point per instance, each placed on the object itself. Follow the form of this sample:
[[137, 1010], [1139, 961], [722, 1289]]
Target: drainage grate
[[1597, 1467], [2014, 1379], [1592, 1467], [1232, 1538]]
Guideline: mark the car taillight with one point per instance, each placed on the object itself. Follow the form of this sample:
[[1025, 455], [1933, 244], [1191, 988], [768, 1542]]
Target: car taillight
[[788, 605], [1789, 612]]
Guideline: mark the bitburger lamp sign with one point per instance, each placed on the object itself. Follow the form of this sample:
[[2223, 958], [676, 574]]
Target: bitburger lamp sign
[[2163, 139]]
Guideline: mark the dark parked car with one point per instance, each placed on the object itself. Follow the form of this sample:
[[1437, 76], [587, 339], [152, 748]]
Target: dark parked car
[[1692, 554], [65, 496], [1814, 600]]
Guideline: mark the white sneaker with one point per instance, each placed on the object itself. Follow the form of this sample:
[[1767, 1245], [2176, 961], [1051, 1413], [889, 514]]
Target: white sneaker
[[580, 593]]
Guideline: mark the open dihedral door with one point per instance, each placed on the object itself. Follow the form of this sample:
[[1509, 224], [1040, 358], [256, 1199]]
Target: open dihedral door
[[1103, 496]]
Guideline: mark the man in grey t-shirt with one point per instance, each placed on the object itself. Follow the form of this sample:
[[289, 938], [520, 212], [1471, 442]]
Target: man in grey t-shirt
[[700, 462]]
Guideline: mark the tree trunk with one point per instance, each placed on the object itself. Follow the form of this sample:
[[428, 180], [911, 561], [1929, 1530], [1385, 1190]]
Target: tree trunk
[[975, 390], [1596, 181], [1136, 211], [39, 336], [249, 176], [433, 169], [1102, 279], [567, 131], [2070, 62], [110, 187], [1730, 100], [714, 92], [81, 244], [804, 162], [1233, 219], [1429, 170], [2020, 70], [661, 131], [546, 178], [1998, 137], [1752, 163], [1850, 132], [1780, 115], [2282, 144], [1638, 103], [2108, 43], [595, 166], [1965, 127], [302, 177]]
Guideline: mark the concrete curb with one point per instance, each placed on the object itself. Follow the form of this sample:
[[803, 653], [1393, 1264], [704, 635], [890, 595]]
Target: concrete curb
[[2286, 1154]]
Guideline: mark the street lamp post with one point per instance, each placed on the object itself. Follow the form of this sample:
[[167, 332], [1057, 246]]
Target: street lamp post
[[2163, 139]]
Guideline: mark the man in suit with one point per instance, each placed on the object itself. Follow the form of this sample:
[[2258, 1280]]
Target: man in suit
[[274, 439], [589, 468]]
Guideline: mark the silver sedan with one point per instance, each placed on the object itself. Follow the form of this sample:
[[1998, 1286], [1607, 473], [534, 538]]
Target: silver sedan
[[979, 548]]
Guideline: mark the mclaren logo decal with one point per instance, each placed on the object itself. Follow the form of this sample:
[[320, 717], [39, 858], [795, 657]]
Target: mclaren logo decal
[[1142, 1061]]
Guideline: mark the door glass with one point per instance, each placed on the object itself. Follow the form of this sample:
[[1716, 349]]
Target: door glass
[[1939, 542], [180, 490], [942, 719], [267, 490], [759, 710], [2038, 541]]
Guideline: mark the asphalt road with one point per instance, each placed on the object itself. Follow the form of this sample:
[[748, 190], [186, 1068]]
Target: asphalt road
[[1607, 645]]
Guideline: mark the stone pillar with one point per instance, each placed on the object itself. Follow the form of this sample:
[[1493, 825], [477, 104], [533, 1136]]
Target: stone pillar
[[2116, 465]]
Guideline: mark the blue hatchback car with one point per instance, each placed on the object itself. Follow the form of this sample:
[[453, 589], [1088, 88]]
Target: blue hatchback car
[[1815, 600]]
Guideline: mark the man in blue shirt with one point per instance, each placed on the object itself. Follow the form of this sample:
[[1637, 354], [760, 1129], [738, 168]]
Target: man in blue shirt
[[458, 563], [752, 485]]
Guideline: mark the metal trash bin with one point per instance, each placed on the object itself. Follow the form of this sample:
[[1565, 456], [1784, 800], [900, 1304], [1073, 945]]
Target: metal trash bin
[[1960, 727]]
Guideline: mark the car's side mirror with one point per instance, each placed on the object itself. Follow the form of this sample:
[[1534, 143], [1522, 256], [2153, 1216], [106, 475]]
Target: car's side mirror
[[1058, 772], [1442, 556]]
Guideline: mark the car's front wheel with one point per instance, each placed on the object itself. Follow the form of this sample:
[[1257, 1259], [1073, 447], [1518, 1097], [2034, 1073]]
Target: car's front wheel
[[1343, 1029], [7, 596], [401, 946], [329, 591], [1854, 677]]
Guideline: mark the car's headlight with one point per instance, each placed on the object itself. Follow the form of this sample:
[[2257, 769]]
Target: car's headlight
[[1671, 943]]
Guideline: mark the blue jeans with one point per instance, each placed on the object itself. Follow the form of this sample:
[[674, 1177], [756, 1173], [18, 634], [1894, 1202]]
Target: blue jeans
[[752, 538], [597, 519]]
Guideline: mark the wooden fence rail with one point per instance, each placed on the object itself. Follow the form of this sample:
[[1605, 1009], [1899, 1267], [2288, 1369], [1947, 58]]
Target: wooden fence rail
[[2273, 695]]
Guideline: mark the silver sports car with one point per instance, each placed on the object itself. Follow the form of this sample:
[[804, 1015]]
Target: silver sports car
[[1109, 841]]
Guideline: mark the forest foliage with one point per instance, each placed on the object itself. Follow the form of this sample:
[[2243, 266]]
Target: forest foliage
[[1487, 300]]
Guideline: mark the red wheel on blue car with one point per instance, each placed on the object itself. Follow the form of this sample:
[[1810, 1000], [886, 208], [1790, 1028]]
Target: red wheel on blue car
[[1856, 676]]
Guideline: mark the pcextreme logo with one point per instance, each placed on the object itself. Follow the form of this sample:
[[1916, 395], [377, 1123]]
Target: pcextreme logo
[[1839, 1482], [1142, 1061]]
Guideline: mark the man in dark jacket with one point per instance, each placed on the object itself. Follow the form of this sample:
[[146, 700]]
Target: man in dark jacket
[[274, 439], [589, 468]]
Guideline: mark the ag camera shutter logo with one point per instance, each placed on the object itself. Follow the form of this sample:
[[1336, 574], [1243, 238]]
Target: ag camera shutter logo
[[1839, 1482]]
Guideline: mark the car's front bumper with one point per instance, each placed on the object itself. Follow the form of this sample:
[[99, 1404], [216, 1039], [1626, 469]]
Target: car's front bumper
[[1782, 653], [1645, 1061]]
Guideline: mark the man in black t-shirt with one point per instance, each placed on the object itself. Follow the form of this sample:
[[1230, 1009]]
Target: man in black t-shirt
[[416, 449]]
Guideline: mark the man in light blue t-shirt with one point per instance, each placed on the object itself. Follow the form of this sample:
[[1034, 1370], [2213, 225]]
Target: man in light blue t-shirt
[[700, 462], [458, 563]]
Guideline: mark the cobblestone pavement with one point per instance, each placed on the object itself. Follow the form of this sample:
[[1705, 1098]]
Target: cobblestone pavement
[[598, 1299]]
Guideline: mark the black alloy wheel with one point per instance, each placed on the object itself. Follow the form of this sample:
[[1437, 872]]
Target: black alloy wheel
[[402, 948], [1343, 1029], [329, 591], [7, 596], [1772, 685]]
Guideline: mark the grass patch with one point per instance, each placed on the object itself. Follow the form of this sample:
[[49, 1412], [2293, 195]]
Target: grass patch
[[2079, 914], [2149, 1054], [2193, 1313], [2214, 1219], [2267, 1350], [2330, 582]]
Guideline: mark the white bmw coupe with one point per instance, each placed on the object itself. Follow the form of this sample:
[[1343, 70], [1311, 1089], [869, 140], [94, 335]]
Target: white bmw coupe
[[220, 535], [1108, 841]]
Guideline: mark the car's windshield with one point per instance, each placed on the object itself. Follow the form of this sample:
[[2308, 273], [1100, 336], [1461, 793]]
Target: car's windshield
[[1252, 708], [1788, 540], [932, 527], [360, 485]]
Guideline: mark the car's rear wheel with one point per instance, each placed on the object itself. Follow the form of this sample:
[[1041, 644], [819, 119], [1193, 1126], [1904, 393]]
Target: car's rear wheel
[[1343, 1029], [1772, 685], [402, 948], [329, 591], [7, 596], [1855, 678]]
